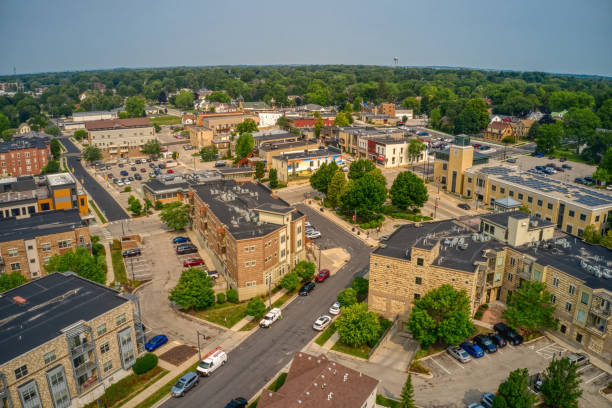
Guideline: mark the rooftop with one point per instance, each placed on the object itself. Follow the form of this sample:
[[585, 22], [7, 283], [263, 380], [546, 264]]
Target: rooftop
[[388, 140], [60, 179], [117, 123], [267, 147], [501, 219], [83, 114], [52, 303], [233, 170], [309, 154], [39, 224], [275, 136], [23, 143]]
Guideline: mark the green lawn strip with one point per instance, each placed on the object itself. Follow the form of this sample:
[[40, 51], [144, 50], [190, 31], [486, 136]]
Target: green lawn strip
[[569, 154], [118, 266], [323, 337], [386, 402], [150, 383], [250, 325], [100, 216], [165, 389], [362, 351], [281, 300], [226, 315], [165, 120]]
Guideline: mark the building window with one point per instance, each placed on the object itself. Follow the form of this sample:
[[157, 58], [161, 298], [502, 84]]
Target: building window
[[12, 252], [104, 348], [418, 280], [579, 338], [563, 328], [108, 366], [597, 218], [21, 372], [444, 166], [299, 243], [101, 329], [549, 206], [299, 229], [120, 319], [420, 261], [64, 244], [571, 213], [246, 249], [520, 196], [509, 277], [584, 298], [568, 306], [568, 228], [15, 266], [247, 264], [553, 299], [511, 193], [470, 180], [49, 357], [417, 296], [502, 190], [539, 203], [556, 282], [572, 289], [529, 199], [582, 217], [493, 187], [46, 246], [581, 316], [512, 261], [252, 248], [580, 231]]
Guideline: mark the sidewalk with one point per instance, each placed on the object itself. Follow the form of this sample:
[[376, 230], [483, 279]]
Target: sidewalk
[[110, 271]]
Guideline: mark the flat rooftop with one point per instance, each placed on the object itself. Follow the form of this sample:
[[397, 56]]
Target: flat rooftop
[[502, 219], [308, 154], [268, 147], [40, 224], [52, 303], [388, 139], [60, 179]]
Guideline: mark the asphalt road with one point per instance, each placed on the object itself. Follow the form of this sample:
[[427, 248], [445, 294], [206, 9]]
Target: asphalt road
[[111, 209], [257, 360]]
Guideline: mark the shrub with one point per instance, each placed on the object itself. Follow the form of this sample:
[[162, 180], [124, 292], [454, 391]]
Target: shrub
[[127, 189], [220, 298], [145, 363], [420, 354], [290, 281], [417, 367], [317, 198], [477, 315], [232, 296], [159, 205]]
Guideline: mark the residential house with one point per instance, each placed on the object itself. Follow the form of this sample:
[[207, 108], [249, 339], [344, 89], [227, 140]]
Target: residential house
[[497, 131], [23, 128]]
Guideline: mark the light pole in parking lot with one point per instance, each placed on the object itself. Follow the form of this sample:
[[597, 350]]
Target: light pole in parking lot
[[205, 337]]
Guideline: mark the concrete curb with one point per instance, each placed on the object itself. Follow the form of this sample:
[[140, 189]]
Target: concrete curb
[[606, 396], [198, 320]]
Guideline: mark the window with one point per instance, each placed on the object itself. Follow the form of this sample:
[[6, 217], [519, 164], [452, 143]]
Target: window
[[101, 329], [580, 231], [46, 246], [568, 228], [512, 261], [582, 217], [563, 328], [246, 249], [254, 283], [444, 166], [500, 261], [520, 196], [108, 366], [511, 193], [299, 229], [568, 306], [597, 218], [65, 243], [49, 357], [121, 319], [420, 261], [29, 395], [529, 199], [584, 298], [282, 239], [21, 372], [509, 277], [579, 338], [493, 187], [247, 264], [549, 206], [417, 296], [553, 299], [15, 266], [556, 282], [539, 203], [12, 252], [572, 289], [418, 280], [252, 248], [581, 316], [299, 243], [502, 190], [104, 348], [470, 180], [571, 213]]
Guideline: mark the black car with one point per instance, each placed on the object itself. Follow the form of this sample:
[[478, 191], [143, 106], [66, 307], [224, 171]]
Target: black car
[[464, 206], [497, 340], [237, 403], [485, 343], [306, 289], [186, 249], [133, 168], [508, 333], [137, 176], [131, 252]]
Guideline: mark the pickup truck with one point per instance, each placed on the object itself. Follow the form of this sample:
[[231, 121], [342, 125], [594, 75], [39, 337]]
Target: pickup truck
[[272, 316]]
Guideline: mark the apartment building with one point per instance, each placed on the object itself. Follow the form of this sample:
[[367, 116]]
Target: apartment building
[[23, 196], [253, 237], [25, 155], [223, 123], [268, 150], [304, 163], [489, 257], [388, 151], [120, 138], [27, 244], [68, 339]]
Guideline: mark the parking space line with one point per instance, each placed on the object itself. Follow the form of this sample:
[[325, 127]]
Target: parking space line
[[583, 368], [596, 377], [455, 361], [440, 365]]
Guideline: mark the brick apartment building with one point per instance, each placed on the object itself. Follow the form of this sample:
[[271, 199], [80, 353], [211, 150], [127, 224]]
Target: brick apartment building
[[489, 257], [254, 238], [120, 138], [27, 244], [68, 339], [25, 155]]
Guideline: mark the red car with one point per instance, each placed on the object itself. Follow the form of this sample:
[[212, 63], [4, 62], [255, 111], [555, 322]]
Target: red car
[[192, 262], [322, 275], [143, 170], [170, 171]]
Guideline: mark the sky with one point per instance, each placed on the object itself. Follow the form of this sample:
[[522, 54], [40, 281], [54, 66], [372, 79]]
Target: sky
[[558, 36]]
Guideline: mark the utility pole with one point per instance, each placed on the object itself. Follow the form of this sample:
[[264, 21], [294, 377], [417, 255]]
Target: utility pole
[[270, 292], [205, 337], [436, 208]]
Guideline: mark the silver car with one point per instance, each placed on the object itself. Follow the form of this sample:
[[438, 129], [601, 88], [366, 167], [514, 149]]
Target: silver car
[[459, 354], [322, 322]]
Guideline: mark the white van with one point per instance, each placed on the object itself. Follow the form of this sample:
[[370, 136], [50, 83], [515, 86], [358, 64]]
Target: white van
[[212, 361], [171, 163]]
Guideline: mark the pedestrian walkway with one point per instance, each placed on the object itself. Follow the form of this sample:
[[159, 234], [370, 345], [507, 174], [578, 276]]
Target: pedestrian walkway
[[110, 271]]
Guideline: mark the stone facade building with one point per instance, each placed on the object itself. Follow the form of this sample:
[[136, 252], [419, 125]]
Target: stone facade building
[[120, 138]]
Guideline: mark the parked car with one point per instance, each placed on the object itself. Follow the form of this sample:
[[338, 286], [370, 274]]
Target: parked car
[[213, 274], [322, 275], [538, 154], [579, 180], [161, 166], [487, 400], [580, 359], [124, 173], [485, 343], [560, 169], [170, 171], [567, 166], [306, 289], [184, 384], [110, 175], [464, 206], [220, 164], [563, 159], [186, 249], [120, 165], [508, 333], [237, 403], [497, 340], [322, 322], [511, 160], [180, 240], [313, 234], [108, 167], [128, 253], [192, 262], [133, 168], [270, 317], [156, 342], [459, 354], [137, 176], [130, 178], [335, 308], [473, 350], [552, 165], [589, 179], [211, 361], [143, 170], [475, 405]]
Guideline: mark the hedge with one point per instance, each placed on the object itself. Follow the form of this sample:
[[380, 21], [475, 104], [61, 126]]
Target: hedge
[[145, 363], [232, 296], [220, 298]]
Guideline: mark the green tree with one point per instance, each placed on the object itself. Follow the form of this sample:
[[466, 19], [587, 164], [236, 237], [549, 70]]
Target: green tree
[[508, 140], [378, 176], [80, 134], [80, 262], [134, 106], [175, 215], [357, 104], [341, 120], [244, 145], [51, 167], [360, 285], [357, 326], [219, 96], [256, 307], [152, 148], [606, 240], [135, 206], [514, 392], [317, 126], [530, 307], [591, 235], [415, 148], [260, 170], [549, 137], [443, 314], [290, 281], [337, 187], [408, 191], [282, 122], [5, 123], [407, 400], [561, 384], [184, 100], [209, 153], [52, 130], [604, 112], [7, 134], [412, 103], [247, 126], [305, 270], [321, 178], [601, 175], [11, 280], [193, 290], [56, 149], [273, 177], [580, 123], [359, 168], [364, 196], [92, 154], [473, 118], [147, 205], [347, 297]]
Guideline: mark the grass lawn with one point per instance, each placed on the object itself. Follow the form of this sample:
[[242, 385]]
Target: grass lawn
[[100, 216], [166, 120], [362, 351], [118, 266], [250, 325], [281, 300], [327, 333], [569, 154], [159, 394], [386, 402], [226, 315]]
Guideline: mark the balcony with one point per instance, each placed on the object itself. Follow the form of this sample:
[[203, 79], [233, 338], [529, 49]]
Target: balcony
[[81, 348], [601, 305], [88, 384], [85, 368], [596, 329]]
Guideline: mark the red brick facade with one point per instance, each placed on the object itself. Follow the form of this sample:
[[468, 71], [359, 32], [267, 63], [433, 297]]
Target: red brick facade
[[24, 162]]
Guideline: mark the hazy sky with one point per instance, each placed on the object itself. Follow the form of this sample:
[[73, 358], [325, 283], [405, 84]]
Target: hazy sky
[[543, 35]]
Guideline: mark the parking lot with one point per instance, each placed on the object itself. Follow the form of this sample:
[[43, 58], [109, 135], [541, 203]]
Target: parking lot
[[456, 385], [567, 175]]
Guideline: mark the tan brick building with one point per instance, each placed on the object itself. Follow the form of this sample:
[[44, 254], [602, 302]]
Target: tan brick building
[[254, 238], [27, 244], [120, 138], [69, 338], [489, 257]]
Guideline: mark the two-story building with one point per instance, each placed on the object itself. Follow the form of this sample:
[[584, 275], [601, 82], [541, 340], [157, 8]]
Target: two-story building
[[304, 163], [389, 151]]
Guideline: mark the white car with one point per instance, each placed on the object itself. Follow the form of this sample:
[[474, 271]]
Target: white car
[[322, 322], [308, 224], [313, 234], [127, 182], [120, 183], [270, 317], [335, 309]]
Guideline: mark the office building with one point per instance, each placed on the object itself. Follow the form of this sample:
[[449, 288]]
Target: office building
[[304, 163], [120, 138]]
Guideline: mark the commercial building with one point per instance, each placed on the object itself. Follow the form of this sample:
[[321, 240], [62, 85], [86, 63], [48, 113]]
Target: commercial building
[[304, 163], [94, 115], [316, 382], [274, 137], [120, 138], [23, 196], [348, 137], [224, 123], [200, 136], [268, 118], [253, 237], [388, 151], [309, 121], [489, 257], [27, 244], [268, 150], [26, 154], [400, 113], [64, 339], [379, 119]]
